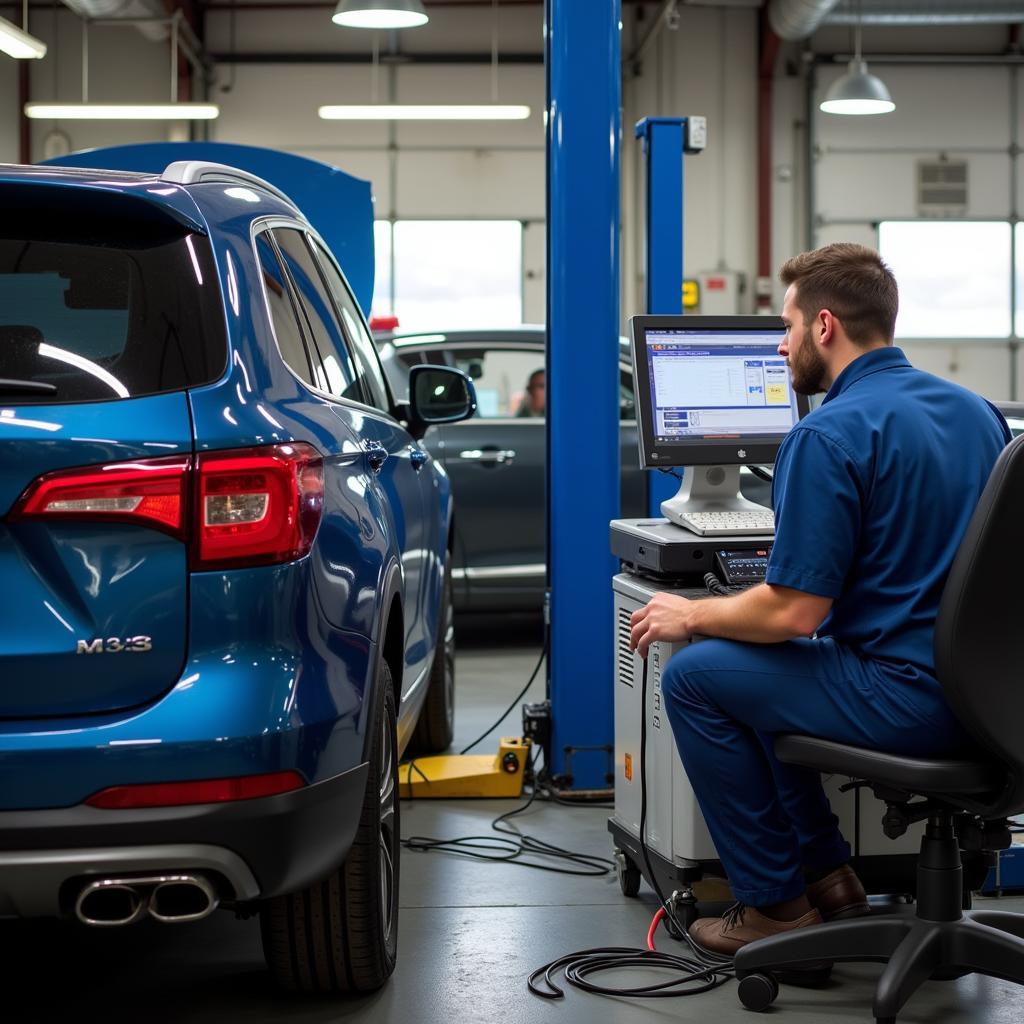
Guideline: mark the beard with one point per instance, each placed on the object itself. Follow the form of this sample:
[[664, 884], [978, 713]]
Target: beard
[[808, 370]]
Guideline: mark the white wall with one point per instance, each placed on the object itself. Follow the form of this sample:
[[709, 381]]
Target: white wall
[[863, 171], [707, 66], [8, 111], [864, 168], [123, 66], [442, 170], [481, 169]]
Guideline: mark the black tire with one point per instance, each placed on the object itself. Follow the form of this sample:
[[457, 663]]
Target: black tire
[[436, 725], [628, 874], [341, 934]]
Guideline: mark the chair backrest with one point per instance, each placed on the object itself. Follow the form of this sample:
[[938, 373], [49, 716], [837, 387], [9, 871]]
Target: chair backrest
[[979, 633]]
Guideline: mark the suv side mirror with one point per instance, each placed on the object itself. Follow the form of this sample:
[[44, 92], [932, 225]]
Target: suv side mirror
[[439, 394]]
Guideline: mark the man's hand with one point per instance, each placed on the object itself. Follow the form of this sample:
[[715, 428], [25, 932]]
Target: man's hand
[[764, 614], [666, 617]]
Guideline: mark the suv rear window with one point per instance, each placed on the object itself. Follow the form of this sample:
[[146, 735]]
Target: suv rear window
[[99, 322]]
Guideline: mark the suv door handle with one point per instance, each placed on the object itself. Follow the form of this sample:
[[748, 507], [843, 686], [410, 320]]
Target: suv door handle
[[488, 456], [376, 454]]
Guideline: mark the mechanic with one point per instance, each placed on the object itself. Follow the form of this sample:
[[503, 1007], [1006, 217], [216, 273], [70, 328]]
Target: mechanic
[[873, 492]]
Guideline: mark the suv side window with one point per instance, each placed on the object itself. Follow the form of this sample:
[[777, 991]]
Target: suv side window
[[339, 372], [358, 334], [283, 315]]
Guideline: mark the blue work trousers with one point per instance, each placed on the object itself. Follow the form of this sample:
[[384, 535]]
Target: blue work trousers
[[727, 701]]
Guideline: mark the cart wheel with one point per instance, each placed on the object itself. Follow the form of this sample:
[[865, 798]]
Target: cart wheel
[[684, 913], [628, 874], [758, 991]]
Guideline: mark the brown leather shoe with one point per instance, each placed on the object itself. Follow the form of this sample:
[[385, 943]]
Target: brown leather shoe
[[839, 895], [742, 924]]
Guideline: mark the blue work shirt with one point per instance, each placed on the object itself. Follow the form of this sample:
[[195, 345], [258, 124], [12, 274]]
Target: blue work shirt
[[873, 492]]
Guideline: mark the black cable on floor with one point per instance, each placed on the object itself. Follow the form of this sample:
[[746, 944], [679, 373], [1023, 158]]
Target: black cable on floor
[[516, 849], [580, 966], [518, 697], [699, 971]]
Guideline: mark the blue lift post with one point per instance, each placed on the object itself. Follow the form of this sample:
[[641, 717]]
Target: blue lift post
[[665, 140], [583, 64]]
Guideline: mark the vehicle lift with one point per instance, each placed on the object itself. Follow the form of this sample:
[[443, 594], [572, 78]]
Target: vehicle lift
[[582, 365], [467, 775]]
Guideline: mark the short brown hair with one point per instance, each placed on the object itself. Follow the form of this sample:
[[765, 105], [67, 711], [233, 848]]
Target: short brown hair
[[853, 283]]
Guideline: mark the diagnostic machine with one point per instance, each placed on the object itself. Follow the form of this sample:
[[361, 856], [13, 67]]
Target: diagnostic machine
[[712, 396]]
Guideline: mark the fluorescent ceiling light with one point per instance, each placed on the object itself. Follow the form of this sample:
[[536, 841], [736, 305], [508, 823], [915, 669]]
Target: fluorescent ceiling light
[[379, 14], [858, 92], [15, 42], [425, 112], [123, 111]]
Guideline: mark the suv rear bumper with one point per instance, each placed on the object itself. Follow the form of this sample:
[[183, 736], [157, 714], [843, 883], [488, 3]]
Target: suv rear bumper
[[253, 849]]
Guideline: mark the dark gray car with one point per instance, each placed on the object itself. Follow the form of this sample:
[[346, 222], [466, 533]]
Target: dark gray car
[[496, 460]]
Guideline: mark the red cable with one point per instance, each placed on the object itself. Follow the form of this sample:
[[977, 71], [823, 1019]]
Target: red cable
[[658, 918]]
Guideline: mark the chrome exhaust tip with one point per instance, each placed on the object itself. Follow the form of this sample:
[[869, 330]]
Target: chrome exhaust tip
[[180, 898], [110, 903], [169, 899]]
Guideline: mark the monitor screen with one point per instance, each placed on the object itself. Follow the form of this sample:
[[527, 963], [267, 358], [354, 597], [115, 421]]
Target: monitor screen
[[711, 390]]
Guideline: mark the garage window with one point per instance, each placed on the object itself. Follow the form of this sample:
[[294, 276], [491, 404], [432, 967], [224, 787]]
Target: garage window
[[383, 289], [1019, 284], [452, 274], [954, 277]]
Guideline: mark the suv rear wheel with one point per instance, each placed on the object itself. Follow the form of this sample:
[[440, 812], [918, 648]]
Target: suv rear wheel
[[341, 934], [436, 724]]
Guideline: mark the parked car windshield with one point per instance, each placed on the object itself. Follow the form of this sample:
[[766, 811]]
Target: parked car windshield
[[99, 322]]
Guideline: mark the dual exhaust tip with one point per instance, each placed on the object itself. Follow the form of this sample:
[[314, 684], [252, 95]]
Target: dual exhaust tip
[[169, 899]]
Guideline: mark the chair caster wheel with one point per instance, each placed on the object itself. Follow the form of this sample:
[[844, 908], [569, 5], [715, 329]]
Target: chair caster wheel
[[758, 991]]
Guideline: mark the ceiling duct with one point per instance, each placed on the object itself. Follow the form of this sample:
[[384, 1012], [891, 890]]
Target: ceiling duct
[[114, 9], [797, 19], [928, 12]]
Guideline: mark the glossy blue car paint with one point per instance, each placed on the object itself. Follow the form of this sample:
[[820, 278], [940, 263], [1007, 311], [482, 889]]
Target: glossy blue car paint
[[254, 670]]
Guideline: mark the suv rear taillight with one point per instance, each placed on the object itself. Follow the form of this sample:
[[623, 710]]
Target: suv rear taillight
[[149, 492], [257, 506], [252, 506]]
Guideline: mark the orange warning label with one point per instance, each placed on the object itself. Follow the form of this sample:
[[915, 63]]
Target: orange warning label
[[629, 767]]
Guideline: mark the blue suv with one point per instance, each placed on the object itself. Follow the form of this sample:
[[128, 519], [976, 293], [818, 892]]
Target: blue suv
[[227, 566]]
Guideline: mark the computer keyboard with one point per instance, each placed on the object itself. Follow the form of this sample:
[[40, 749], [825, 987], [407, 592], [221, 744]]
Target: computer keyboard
[[728, 524]]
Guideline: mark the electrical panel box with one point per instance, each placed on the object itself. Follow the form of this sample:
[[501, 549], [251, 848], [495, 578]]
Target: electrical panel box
[[720, 292], [696, 134], [675, 828]]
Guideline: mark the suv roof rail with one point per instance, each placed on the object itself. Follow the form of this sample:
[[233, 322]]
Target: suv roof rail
[[194, 172]]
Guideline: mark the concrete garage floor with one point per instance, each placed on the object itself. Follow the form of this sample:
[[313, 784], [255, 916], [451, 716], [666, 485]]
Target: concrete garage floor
[[470, 932]]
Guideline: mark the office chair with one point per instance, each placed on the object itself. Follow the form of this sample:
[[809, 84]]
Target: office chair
[[979, 648]]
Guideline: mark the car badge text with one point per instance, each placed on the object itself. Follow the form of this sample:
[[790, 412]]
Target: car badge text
[[115, 644]]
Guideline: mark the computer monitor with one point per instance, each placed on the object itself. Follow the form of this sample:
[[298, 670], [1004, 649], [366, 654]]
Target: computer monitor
[[711, 391]]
